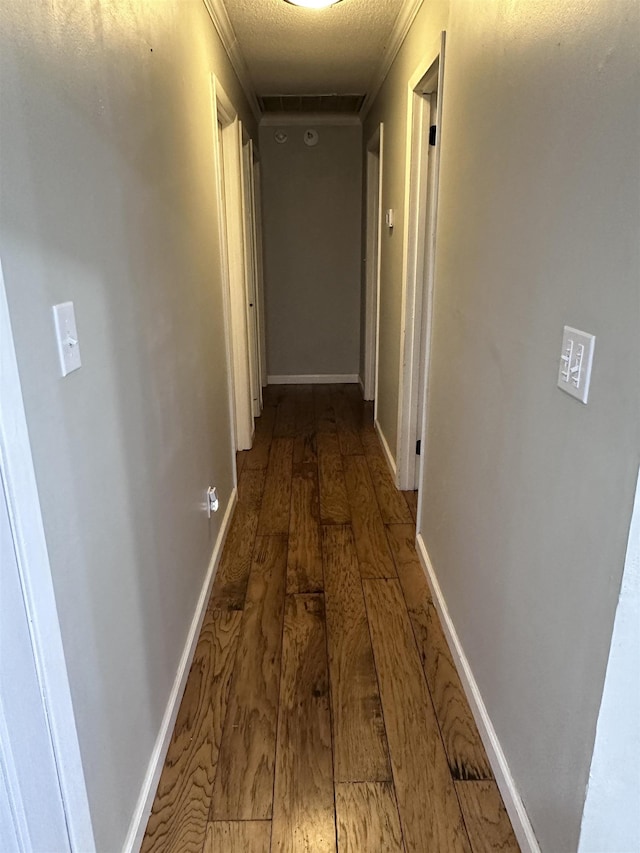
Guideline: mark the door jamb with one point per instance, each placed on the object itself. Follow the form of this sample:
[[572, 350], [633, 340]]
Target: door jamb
[[418, 265], [375, 148], [23, 503]]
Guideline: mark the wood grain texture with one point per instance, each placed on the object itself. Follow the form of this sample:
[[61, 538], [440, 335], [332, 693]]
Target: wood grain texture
[[230, 583], [465, 751], [304, 818], [243, 787], [359, 741], [304, 559], [281, 683], [367, 818], [258, 456], [393, 507], [486, 818], [334, 501], [412, 502], [274, 514], [249, 836], [241, 457], [374, 555], [427, 801], [325, 417], [347, 422], [285, 425], [178, 819]]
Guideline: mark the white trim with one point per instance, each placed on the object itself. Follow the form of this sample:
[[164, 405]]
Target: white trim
[[608, 822], [401, 27], [313, 379], [361, 384], [418, 261], [262, 334], [221, 22], [147, 794], [373, 249], [229, 192], [25, 514], [388, 455], [306, 119], [251, 277], [512, 800]]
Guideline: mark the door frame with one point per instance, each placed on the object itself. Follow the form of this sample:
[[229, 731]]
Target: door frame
[[375, 147], [18, 480], [228, 156], [262, 333], [251, 266], [418, 266]]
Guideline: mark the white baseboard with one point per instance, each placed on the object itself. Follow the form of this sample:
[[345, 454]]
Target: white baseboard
[[361, 384], [313, 379], [512, 800], [152, 777], [391, 462]]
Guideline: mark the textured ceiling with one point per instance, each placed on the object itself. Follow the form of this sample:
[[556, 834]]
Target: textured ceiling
[[294, 51]]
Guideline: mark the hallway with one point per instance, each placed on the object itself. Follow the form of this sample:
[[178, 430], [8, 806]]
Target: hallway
[[323, 711]]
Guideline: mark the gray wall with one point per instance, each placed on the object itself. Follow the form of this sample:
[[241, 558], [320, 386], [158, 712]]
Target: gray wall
[[312, 202], [108, 199], [527, 493]]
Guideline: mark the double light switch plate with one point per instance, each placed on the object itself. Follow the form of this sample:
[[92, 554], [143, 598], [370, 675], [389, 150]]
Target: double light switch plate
[[576, 358]]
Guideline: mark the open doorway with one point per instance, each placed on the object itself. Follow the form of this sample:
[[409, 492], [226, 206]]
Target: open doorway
[[372, 265], [423, 126]]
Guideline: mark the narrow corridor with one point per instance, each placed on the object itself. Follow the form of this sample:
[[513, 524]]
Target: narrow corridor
[[323, 710]]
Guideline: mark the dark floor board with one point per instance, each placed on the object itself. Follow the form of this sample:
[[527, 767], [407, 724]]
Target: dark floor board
[[465, 751], [367, 818], [487, 821], [304, 816], [243, 787], [304, 560], [334, 501], [325, 416], [359, 741], [393, 507], [179, 816], [374, 555], [249, 836], [347, 422], [276, 503], [427, 801], [258, 456], [230, 583]]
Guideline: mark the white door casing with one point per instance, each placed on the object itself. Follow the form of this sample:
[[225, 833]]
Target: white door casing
[[372, 264], [262, 335], [251, 297], [424, 109], [227, 144], [42, 784]]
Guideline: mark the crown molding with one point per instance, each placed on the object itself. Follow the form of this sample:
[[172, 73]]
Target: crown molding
[[218, 14], [306, 119], [406, 17]]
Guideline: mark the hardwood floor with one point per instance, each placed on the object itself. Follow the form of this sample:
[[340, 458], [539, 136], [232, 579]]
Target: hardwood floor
[[323, 712]]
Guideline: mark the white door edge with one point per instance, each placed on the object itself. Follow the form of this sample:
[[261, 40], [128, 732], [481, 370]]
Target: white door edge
[[18, 475]]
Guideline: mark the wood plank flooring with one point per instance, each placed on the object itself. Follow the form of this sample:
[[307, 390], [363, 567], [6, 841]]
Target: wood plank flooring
[[323, 712]]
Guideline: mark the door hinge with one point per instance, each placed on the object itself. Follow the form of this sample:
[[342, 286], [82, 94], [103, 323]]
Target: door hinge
[[432, 134], [418, 443]]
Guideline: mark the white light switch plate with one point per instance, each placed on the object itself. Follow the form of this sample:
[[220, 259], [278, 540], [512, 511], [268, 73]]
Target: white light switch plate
[[576, 358], [67, 337]]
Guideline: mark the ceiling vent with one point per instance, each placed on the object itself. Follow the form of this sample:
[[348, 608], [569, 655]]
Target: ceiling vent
[[311, 103]]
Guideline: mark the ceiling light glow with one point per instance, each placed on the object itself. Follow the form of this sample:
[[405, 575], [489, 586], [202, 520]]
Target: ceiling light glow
[[313, 4]]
